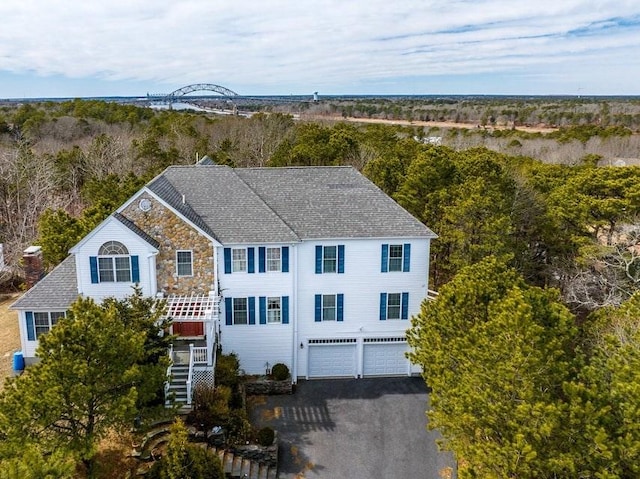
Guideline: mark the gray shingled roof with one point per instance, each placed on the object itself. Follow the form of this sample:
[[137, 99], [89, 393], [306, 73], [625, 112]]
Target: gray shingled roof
[[169, 193], [262, 205], [231, 211], [57, 290], [331, 202], [133, 227]]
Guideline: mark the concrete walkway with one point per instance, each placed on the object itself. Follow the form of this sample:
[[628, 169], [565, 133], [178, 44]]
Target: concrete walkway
[[355, 429]]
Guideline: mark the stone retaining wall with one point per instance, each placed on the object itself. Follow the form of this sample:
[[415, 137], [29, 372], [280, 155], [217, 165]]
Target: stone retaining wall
[[266, 387]]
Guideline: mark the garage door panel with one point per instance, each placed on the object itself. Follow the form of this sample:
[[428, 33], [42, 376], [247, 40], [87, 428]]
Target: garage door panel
[[332, 360], [385, 359]]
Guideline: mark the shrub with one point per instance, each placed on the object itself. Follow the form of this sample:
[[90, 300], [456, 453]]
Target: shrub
[[280, 372], [210, 406], [228, 370], [238, 427], [265, 436]]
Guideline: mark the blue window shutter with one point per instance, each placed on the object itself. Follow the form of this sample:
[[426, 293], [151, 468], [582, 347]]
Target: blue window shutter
[[251, 259], [228, 311], [285, 259], [262, 262], [340, 258], [285, 310], [31, 329], [383, 306], [227, 261], [384, 263], [262, 302], [405, 306], [135, 269], [252, 310], [318, 308], [406, 253], [340, 308], [93, 265], [318, 259]]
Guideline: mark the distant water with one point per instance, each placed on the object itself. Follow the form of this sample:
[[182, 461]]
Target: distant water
[[309, 98]]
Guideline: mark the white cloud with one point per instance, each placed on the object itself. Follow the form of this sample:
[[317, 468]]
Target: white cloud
[[273, 46]]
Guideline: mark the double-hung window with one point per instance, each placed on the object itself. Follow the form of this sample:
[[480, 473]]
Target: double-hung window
[[394, 306], [43, 321], [239, 260], [240, 311], [329, 307], [114, 264], [396, 257], [274, 259], [274, 310], [329, 259], [184, 263]]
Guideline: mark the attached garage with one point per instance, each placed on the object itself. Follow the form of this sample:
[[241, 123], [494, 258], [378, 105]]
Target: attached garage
[[332, 358], [385, 357]]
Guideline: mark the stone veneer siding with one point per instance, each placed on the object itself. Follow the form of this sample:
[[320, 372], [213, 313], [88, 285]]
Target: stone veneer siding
[[174, 234]]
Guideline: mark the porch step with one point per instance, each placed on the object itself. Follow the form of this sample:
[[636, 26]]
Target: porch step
[[178, 385]]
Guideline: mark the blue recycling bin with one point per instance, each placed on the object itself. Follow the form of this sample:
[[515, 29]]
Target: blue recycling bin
[[18, 361]]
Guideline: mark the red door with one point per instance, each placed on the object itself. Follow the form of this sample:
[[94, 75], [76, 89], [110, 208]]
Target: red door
[[191, 328]]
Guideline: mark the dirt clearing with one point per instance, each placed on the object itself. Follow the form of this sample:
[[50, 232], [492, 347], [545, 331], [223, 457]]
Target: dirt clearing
[[9, 336]]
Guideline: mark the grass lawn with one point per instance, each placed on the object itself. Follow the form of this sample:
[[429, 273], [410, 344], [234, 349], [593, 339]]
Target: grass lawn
[[9, 336]]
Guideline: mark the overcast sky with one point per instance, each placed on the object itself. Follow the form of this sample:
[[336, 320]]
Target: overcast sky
[[73, 48]]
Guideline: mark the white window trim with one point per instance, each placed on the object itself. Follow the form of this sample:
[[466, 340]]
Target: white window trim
[[389, 270], [246, 261], [114, 270], [279, 298], [233, 311], [399, 306], [178, 263], [49, 325], [266, 259], [335, 259], [335, 307]]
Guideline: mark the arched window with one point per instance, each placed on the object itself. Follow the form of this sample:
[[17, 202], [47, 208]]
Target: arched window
[[113, 248], [114, 263]]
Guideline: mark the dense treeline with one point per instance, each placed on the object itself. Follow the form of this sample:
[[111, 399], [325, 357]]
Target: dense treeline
[[488, 111], [531, 349], [65, 166]]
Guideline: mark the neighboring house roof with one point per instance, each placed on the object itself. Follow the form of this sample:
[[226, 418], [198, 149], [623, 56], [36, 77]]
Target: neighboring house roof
[[57, 290], [132, 226], [271, 205]]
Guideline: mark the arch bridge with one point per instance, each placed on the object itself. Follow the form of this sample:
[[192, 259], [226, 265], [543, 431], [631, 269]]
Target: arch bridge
[[180, 95]]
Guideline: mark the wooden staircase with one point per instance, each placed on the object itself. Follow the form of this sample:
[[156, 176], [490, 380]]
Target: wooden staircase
[[178, 385]]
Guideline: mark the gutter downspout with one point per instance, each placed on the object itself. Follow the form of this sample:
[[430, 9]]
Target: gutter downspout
[[294, 294]]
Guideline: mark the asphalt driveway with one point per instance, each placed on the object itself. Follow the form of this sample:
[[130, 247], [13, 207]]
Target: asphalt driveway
[[355, 429]]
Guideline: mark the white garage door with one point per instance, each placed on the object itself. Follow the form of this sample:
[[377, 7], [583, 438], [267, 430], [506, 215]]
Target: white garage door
[[331, 359], [385, 359]]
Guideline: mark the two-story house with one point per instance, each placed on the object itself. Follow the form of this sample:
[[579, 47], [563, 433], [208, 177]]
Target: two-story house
[[314, 267]]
